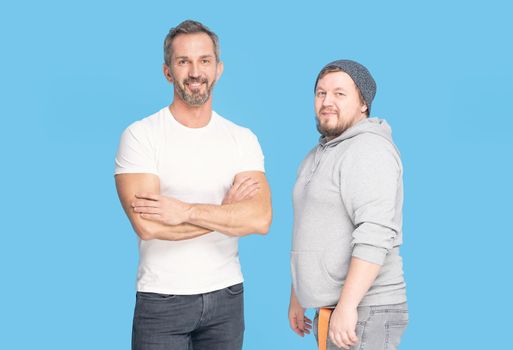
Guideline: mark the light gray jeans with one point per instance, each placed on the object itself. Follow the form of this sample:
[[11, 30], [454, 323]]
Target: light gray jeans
[[378, 327]]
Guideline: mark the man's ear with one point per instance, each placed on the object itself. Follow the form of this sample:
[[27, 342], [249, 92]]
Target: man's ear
[[364, 108], [219, 70], [167, 73]]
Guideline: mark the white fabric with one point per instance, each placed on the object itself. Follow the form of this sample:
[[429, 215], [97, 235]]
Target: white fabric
[[195, 165]]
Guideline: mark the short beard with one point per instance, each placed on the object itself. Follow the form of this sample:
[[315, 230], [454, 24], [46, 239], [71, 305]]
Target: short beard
[[330, 133], [193, 99]]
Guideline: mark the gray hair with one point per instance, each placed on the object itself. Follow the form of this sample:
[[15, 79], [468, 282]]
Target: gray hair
[[187, 27]]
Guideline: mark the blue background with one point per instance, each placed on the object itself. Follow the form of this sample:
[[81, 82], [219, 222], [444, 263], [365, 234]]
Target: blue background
[[73, 75]]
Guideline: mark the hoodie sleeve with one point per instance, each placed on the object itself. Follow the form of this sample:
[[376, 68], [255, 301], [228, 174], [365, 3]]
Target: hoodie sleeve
[[370, 174]]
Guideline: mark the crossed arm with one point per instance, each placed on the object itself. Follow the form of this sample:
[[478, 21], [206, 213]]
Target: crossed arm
[[246, 208]]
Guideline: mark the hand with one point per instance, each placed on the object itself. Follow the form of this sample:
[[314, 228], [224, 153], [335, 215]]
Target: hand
[[342, 326], [297, 319], [241, 190], [166, 210]]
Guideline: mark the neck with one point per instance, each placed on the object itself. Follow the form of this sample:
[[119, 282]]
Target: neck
[[191, 116]]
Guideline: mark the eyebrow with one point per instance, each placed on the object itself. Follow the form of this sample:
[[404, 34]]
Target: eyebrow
[[335, 89], [187, 57]]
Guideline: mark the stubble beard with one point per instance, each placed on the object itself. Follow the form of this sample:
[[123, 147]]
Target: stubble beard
[[194, 98]]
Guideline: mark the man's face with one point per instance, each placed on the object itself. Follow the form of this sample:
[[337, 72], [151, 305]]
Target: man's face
[[337, 104], [194, 69]]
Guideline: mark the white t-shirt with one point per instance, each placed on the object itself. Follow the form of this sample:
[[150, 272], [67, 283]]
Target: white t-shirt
[[195, 165]]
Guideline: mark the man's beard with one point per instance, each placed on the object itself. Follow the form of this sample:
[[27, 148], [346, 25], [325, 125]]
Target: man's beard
[[332, 132], [197, 98]]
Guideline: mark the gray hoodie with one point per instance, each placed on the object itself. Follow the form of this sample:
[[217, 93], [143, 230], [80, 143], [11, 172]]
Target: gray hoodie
[[348, 202]]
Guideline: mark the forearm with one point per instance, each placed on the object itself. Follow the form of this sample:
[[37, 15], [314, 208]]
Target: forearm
[[177, 232], [252, 214], [237, 219], [359, 279], [293, 294]]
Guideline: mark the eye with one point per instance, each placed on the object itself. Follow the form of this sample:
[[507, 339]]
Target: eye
[[181, 62], [321, 93], [339, 94], [205, 61]]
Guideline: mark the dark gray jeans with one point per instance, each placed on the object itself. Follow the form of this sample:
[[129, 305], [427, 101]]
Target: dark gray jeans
[[213, 321], [378, 327]]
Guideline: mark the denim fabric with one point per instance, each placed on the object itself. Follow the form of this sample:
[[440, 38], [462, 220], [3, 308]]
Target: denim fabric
[[378, 327], [213, 321]]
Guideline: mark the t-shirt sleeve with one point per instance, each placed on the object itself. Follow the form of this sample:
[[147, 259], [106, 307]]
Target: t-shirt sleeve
[[136, 153], [251, 157]]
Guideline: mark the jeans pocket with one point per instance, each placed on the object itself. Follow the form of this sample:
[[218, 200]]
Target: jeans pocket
[[393, 332], [236, 289], [147, 296], [359, 330]]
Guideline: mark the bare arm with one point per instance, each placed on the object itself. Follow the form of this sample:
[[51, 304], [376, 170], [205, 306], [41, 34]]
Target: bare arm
[[297, 318], [127, 186], [359, 279], [250, 215]]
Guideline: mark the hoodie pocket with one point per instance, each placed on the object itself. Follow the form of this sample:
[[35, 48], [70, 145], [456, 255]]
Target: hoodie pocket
[[336, 258], [312, 283]]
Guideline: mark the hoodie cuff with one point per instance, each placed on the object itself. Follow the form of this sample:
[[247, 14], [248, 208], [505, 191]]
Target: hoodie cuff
[[370, 254]]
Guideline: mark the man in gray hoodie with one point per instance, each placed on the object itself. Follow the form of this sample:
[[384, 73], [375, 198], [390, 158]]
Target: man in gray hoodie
[[348, 201]]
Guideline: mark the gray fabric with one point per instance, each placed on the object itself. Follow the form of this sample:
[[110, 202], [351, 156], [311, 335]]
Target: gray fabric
[[360, 75], [378, 327], [209, 321], [348, 202]]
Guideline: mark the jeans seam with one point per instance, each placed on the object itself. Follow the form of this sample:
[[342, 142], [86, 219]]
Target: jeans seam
[[198, 322], [362, 341], [376, 312], [228, 291], [392, 324], [387, 335], [396, 324], [162, 297]]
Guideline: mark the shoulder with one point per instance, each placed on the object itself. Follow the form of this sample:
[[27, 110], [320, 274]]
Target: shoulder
[[369, 142], [371, 149], [238, 132], [309, 156], [145, 132], [146, 128], [306, 161], [148, 123]]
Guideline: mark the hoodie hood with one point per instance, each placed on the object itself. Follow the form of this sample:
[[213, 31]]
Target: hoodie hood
[[368, 125]]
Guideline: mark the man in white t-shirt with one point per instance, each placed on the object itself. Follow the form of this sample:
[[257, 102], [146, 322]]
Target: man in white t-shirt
[[191, 183]]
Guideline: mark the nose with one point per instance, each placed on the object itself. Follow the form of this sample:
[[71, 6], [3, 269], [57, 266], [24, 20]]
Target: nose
[[328, 99], [194, 70]]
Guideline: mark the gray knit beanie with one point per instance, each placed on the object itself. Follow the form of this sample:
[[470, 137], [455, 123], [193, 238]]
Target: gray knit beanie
[[360, 75]]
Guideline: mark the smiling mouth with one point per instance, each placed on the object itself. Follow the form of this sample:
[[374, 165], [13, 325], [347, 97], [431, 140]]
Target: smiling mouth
[[194, 86], [327, 111]]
